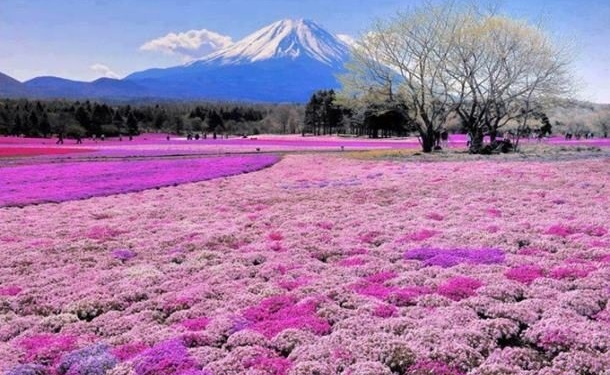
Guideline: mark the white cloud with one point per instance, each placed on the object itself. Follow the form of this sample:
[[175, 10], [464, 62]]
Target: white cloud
[[104, 71], [191, 44], [347, 39]]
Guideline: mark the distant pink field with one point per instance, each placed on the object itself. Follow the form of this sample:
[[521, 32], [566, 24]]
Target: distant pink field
[[318, 264], [158, 145]]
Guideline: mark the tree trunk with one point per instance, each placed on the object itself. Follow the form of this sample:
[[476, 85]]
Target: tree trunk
[[492, 135], [476, 142], [427, 139]]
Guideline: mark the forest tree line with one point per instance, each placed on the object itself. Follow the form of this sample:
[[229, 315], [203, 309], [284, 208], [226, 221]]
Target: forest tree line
[[325, 113], [73, 119]]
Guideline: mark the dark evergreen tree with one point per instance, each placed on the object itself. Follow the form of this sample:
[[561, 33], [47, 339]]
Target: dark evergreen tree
[[132, 125], [45, 125], [215, 122]]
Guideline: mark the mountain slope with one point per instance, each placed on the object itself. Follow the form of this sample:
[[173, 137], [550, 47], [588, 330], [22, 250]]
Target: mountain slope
[[11, 88], [54, 87]]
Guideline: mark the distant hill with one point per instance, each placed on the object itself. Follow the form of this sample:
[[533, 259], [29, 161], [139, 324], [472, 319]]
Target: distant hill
[[11, 88], [54, 87]]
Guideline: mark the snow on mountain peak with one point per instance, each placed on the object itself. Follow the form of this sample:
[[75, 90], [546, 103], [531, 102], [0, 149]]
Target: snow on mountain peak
[[288, 38]]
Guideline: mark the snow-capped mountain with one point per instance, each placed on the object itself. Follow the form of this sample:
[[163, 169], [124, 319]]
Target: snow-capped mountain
[[284, 39], [283, 62]]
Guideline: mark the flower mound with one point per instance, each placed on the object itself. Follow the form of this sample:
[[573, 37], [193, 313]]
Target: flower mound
[[92, 360], [166, 358], [524, 274], [459, 288], [46, 349]]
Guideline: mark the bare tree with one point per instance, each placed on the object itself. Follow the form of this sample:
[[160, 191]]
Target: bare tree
[[602, 123], [404, 59], [439, 59], [504, 71]]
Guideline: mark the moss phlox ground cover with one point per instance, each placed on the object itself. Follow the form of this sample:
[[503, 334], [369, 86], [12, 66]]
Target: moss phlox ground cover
[[478, 267]]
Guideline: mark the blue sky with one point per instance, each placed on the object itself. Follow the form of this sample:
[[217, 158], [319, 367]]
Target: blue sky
[[87, 39]]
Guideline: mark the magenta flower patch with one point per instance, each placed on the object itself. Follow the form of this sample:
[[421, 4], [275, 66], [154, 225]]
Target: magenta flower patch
[[571, 271], [325, 225], [352, 262], [559, 230], [524, 274], [166, 358], [275, 314], [369, 237], [451, 257], [102, 233], [372, 290], [128, 351], [407, 296], [435, 216], [275, 236], [595, 231], [420, 235], [10, 290], [459, 288], [291, 285], [46, 348], [195, 324], [268, 364], [381, 277], [385, 311], [399, 296]]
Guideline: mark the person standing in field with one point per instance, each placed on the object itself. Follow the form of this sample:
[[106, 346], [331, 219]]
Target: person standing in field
[[60, 139]]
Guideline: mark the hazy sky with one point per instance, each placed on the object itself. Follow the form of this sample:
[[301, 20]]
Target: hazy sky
[[87, 39]]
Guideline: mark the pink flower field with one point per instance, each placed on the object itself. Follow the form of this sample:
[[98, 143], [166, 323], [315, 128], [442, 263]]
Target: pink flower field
[[155, 145], [318, 264], [58, 182]]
